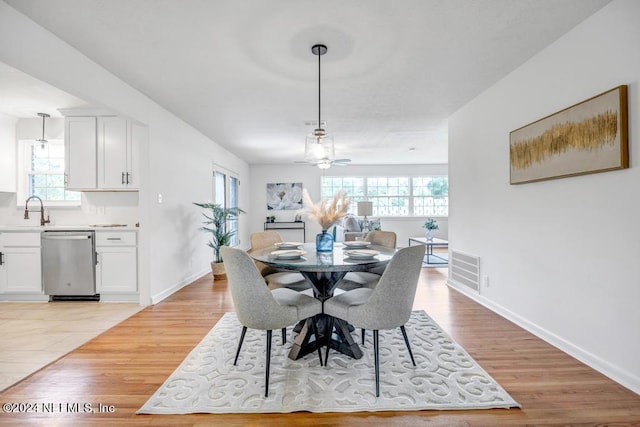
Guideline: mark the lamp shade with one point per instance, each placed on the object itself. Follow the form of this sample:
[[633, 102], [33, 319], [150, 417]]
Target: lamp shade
[[318, 148], [365, 208]]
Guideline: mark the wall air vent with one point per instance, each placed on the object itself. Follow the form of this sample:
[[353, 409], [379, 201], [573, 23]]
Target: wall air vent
[[465, 270]]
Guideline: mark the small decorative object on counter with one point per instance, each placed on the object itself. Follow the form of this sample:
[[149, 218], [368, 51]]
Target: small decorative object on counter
[[326, 214], [430, 225]]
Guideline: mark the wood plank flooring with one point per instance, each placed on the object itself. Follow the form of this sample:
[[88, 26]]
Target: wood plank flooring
[[126, 364]]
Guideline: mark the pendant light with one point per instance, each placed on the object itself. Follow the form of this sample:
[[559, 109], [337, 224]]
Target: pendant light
[[42, 141], [319, 147]]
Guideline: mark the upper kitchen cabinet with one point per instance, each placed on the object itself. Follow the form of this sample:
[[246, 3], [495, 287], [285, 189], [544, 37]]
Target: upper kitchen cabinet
[[117, 154], [102, 153], [80, 153]]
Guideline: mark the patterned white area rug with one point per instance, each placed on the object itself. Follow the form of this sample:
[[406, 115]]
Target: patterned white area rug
[[445, 377]]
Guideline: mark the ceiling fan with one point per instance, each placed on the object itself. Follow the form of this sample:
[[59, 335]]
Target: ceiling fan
[[325, 163]]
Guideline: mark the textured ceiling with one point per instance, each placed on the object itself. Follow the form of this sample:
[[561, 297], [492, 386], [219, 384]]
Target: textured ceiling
[[242, 72]]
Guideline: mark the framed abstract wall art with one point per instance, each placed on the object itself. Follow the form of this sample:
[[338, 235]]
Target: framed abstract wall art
[[284, 196], [588, 137]]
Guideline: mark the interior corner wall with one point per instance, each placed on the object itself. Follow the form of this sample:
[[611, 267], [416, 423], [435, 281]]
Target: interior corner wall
[[561, 256], [176, 162]]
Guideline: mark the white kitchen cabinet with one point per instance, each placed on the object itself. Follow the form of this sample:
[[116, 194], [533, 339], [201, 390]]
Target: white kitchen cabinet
[[20, 263], [117, 154], [117, 267], [80, 153], [101, 153]]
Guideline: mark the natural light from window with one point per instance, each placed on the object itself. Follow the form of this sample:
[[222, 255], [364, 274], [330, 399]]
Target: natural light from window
[[41, 173], [393, 195]]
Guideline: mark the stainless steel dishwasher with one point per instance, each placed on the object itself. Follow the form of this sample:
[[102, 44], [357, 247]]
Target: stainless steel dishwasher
[[69, 265]]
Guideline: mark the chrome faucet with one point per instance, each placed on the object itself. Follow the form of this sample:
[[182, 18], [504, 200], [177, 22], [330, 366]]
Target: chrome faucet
[[26, 210]]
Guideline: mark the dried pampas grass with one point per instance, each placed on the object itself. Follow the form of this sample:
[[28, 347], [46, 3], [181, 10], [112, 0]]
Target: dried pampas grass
[[326, 213]]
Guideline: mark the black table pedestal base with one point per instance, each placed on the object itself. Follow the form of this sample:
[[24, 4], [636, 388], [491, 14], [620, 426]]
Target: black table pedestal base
[[323, 284], [341, 339]]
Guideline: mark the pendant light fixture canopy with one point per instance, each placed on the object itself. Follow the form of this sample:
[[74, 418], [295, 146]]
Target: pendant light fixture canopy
[[319, 147], [42, 140]]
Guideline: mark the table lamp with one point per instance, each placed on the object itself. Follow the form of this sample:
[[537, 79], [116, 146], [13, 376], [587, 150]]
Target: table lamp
[[365, 209]]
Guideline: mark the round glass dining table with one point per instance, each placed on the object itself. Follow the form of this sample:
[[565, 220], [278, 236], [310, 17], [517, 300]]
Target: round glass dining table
[[324, 271]]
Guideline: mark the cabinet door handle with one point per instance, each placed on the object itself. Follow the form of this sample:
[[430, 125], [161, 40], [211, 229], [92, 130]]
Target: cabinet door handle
[[66, 178], [122, 177], [114, 238], [97, 258], [128, 178], [1, 258]]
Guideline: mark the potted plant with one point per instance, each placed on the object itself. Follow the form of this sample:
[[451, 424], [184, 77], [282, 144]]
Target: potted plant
[[430, 225], [216, 225]]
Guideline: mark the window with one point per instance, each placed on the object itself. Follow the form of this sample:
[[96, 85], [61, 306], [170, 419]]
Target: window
[[390, 195], [352, 185], [430, 195], [393, 195], [41, 173], [225, 189]]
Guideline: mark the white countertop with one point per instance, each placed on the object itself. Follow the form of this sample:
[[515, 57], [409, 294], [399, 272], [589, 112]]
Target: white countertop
[[16, 227]]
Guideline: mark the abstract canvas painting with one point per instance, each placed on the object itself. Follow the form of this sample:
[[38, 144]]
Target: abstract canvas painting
[[585, 138], [284, 196]]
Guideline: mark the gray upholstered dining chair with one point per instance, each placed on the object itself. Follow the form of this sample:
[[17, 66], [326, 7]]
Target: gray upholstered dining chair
[[369, 279], [274, 278], [257, 307], [387, 306]]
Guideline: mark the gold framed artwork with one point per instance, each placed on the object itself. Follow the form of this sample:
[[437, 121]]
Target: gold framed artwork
[[589, 137]]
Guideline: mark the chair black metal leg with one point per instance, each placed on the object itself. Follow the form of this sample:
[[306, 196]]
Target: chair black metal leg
[[363, 332], [266, 380], [244, 331], [284, 336], [314, 329], [406, 341], [377, 360], [329, 333]]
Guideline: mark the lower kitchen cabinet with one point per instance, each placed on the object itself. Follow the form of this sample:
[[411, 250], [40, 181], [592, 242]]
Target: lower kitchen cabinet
[[117, 267], [20, 263]]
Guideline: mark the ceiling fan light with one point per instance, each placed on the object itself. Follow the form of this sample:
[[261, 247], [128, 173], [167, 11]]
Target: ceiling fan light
[[318, 148], [326, 164]]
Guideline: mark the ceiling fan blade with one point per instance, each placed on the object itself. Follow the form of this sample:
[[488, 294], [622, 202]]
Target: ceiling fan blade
[[341, 162]]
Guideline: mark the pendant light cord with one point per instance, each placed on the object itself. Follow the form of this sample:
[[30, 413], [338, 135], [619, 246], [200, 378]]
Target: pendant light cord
[[319, 93]]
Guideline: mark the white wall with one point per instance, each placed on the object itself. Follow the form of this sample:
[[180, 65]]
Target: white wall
[[8, 158], [310, 176], [561, 255], [176, 162]]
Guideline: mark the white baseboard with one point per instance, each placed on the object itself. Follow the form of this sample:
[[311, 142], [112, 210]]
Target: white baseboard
[[120, 297], [618, 375], [175, 288]]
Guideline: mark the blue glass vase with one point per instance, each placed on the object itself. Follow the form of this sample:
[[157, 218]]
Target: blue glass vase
[[324, 242]]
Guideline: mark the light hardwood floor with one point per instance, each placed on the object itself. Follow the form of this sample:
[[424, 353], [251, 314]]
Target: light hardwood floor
[[125, 365], [35, 334]]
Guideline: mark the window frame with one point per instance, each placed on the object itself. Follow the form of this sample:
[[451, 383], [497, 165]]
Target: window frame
[[24, 171], [367, 196], [227, 198]]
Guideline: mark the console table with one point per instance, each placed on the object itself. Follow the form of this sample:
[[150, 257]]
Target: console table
[[283, 225]]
